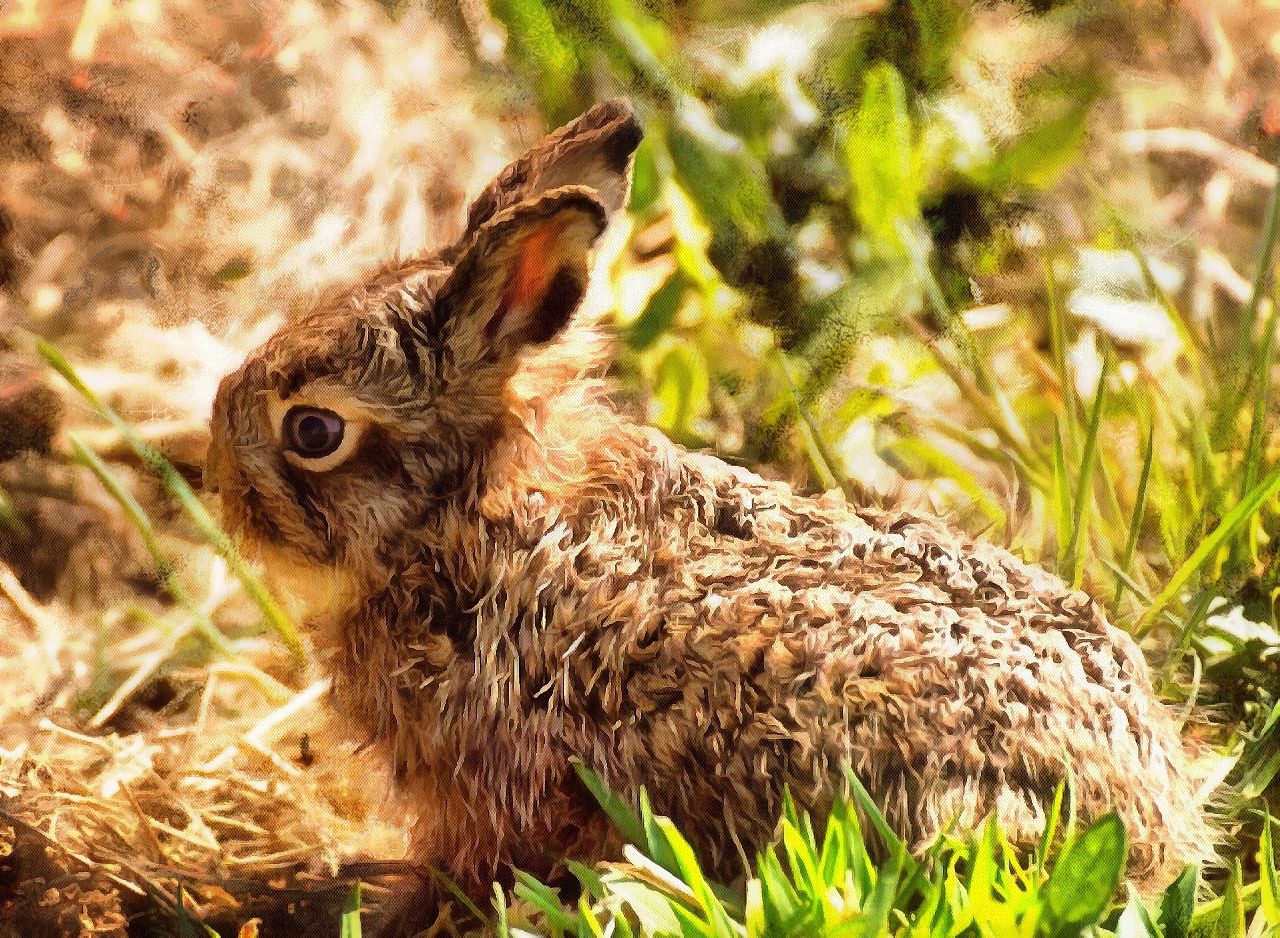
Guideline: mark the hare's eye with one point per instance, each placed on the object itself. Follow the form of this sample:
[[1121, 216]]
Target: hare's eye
[[313, 432]]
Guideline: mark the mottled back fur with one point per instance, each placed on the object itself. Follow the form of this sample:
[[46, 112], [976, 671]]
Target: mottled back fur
[[504, 575]]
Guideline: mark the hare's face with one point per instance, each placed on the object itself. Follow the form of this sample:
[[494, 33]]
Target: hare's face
[[349, 428]]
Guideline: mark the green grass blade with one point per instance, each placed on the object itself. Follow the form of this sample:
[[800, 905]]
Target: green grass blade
[[824, 459], [1260, 384], [1178, 904], [164, 566], [1260, 375], [984, 391], [1268, 875], [1058, 350], [1247, 507], [1262, 274], [803, 861], [755, 920], [351, 927], [1125, 230], [186, 927], [449, 883], [588, 877], [545, 899], [1125, 571], [1050, 825], [1130, 583], [720, 925], [1082, 505], [780, 902], [624, 817], [1061, 500], [875, 914]]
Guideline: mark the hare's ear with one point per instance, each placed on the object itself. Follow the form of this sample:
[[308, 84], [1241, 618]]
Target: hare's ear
[[594, 151], [521, 276]]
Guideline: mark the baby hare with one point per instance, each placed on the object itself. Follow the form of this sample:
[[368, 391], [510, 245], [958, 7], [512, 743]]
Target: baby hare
[[505, 575]]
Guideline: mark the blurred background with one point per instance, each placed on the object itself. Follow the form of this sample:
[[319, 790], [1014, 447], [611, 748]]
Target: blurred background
[[1011, 262]]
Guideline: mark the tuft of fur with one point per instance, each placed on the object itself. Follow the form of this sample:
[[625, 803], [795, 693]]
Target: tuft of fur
[[507, 576]]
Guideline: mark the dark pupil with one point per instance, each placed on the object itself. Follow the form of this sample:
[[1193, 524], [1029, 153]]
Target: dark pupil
[[314, 432]]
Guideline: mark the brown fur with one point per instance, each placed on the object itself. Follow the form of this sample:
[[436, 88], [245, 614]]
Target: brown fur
[[516, 577]]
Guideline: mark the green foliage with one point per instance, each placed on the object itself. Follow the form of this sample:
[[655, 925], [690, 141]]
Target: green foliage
[[854, 877], [881, 158], [849, 194], [840, 181]]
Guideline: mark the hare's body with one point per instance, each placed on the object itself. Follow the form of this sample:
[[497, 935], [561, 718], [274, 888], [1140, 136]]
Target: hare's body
[[676, 622], [526, 579]]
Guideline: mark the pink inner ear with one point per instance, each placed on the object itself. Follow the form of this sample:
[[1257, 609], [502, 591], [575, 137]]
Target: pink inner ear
[[529, 276]]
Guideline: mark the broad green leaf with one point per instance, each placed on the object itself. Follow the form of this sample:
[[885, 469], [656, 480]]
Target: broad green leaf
[[1230, 922], [879, 156], [730, 188], [659, 313], [542, 49], [1085, 877], [1037, 156], [682, 387]]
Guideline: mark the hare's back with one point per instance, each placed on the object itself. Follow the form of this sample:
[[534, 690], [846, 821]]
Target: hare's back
[[900, 606], [957, 679]]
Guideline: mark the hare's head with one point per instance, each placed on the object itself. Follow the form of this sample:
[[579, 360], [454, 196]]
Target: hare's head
[[352, 423]]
